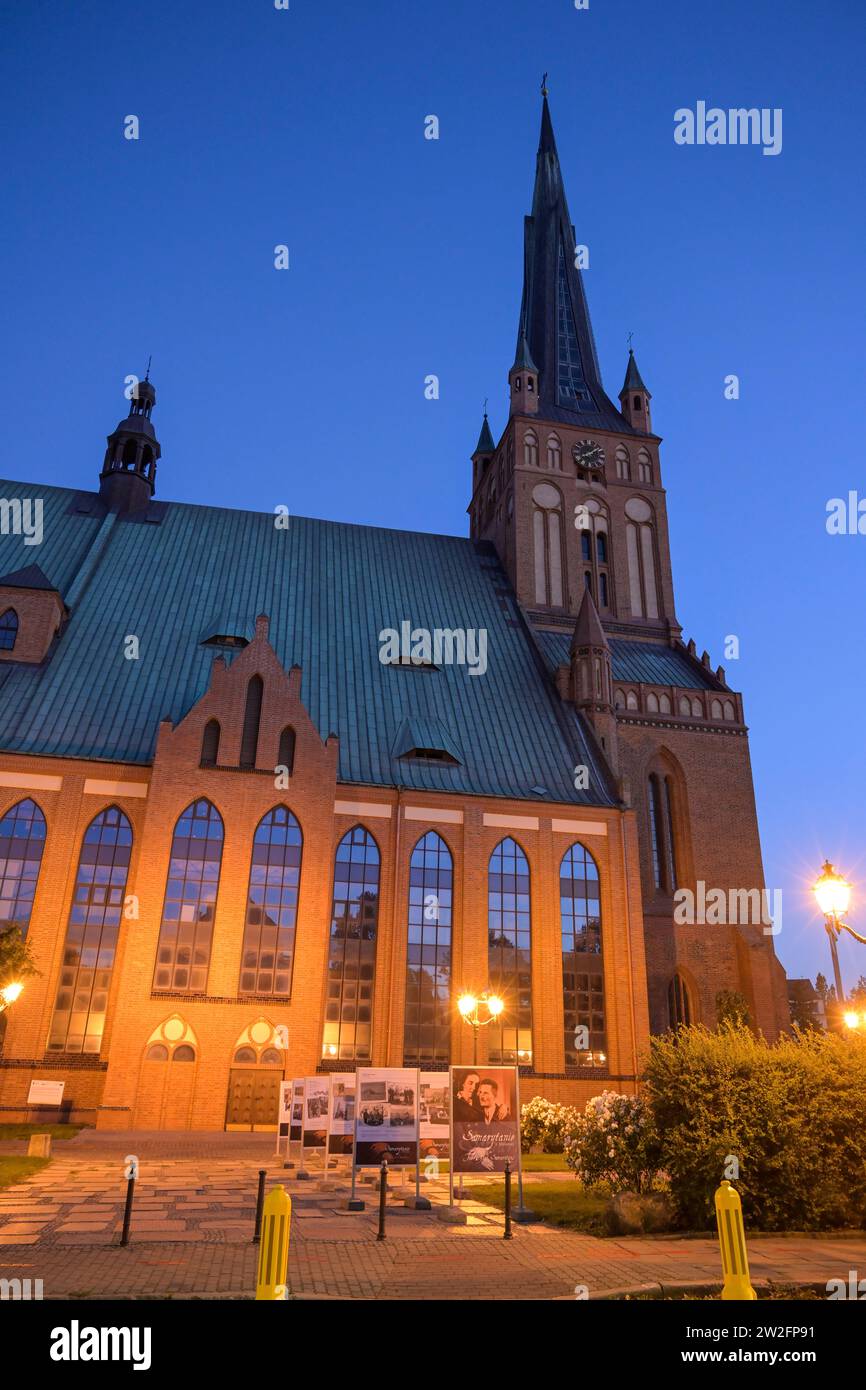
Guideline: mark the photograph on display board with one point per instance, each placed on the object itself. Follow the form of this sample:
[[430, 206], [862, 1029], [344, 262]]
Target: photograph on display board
[[317, 1091], [342, 1128], [296, 1126], [285, 1113], [434, 1114], [386, 1120], [486, 1120]]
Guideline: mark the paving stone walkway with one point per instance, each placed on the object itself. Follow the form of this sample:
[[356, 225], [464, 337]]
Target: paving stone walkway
[[193, 1222]]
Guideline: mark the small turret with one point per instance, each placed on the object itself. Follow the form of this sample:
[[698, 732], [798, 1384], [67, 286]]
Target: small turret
[[128, 477], [635, 398], [523, 380], [591, 677]]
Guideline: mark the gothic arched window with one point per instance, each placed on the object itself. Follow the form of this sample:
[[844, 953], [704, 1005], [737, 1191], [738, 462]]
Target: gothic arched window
[[8, 630], [427, 1023], [660, 806], [623, 462], [679, 1003], [186, 931], [530, 449], [210, 743], [644, 467], [286, 754], [554, 452], [252, 719], [582, 967], [640, 548], [547, 545], [272, 905], [509, 961], [22, 840], [98, 899], [352, 948]]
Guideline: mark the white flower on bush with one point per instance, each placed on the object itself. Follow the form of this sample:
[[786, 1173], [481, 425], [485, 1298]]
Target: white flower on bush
[[614, 1141], [546, 1123]]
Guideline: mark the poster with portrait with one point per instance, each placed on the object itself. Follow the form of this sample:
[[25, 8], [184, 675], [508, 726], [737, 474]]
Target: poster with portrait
[[284, 1116], [341, 1132], [485, 1119], [434, 1114], [296, 1123], [317, 1100], [386, 1116]]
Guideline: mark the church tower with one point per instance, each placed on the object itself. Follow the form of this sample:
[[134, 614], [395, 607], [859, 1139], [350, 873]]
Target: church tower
[[571, 497]]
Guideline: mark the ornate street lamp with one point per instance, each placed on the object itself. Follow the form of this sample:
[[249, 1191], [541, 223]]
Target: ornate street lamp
[[833, 893], [471, 1007]]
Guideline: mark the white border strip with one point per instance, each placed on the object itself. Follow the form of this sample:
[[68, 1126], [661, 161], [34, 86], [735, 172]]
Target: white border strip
[[31, 781], [93, 787], [579, 827], [434, 813], [362, 808], [512, 822]]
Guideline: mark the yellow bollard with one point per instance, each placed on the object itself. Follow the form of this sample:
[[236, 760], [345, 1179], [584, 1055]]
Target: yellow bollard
[[732, 1241], [271, 1284]]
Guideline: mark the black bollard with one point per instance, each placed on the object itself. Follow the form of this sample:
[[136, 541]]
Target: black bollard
[[383, 1197], [260, 1202], [507, 1234], [127, 1211]]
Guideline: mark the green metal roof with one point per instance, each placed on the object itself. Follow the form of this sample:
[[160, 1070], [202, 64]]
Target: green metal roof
[[653, 663], [329, 590]]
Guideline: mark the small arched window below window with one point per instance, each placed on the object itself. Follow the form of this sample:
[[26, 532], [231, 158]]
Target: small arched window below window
[[530, 450], [586, 545], [665, 704], [184, 1053], [623, 462], [245, 1056], [631, 700], [270, 1058], [652, 703], [286, 755], [210, 743], [157, 1052], [729, 709], [554, 453], [8, 630]]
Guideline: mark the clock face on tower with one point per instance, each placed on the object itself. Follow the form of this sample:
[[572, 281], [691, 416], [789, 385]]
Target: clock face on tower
[[588, 454]]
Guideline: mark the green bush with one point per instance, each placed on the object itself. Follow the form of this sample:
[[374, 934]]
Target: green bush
[[793, 1115], [614, 1141]]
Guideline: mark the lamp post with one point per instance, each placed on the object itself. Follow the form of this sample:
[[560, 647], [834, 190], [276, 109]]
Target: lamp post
[[833, 893], [470, 1007]]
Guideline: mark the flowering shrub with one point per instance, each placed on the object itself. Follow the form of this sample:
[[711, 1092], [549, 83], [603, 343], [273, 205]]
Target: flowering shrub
[[545, 1124], [615, 1141]]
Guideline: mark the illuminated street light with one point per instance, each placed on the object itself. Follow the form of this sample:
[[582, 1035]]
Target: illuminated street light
[[833, 893], [853, 1020], [9, 995], [470, 1006]]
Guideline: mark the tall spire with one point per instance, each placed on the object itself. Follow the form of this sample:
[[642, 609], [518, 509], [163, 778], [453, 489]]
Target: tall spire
[[554, 317]]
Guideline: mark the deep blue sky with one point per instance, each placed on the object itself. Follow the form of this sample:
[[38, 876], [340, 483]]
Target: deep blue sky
[[261, 126]]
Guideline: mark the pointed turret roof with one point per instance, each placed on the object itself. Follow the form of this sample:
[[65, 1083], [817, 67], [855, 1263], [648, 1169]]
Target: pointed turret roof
[[523, 359], [633, 380], [588, 631], [485, 443], [554, 316]]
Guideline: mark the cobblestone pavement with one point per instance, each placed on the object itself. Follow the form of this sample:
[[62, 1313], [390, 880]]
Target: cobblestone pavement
[[193, 1222]]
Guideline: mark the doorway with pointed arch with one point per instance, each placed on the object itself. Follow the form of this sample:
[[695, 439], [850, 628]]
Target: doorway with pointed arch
[[254, 1080]]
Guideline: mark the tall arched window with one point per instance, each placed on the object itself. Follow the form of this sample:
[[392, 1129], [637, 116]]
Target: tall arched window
[[272, 905], [640, 548], [644, 467], [91, 935], [210, 743], [679, 1003], [509, 962], [660, 805], [8, 630], [554, 453], [186, 933], [582, 965], [352, 948], [530, 449], [22, 840], [427, 1025], [547, 544], [252, 719], [286, 754], [623, 462]]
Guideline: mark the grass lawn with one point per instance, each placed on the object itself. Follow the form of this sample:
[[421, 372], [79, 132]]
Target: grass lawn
[[544, 1163], [25, 1131], [19, 1169], [563, 1203]]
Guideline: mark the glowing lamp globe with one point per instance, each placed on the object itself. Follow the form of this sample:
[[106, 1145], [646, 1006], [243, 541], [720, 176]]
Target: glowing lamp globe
[[467, 1003], [833, 892]]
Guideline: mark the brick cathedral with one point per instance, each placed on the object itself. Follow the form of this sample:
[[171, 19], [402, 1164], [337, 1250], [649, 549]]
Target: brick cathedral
[[226, 809]]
